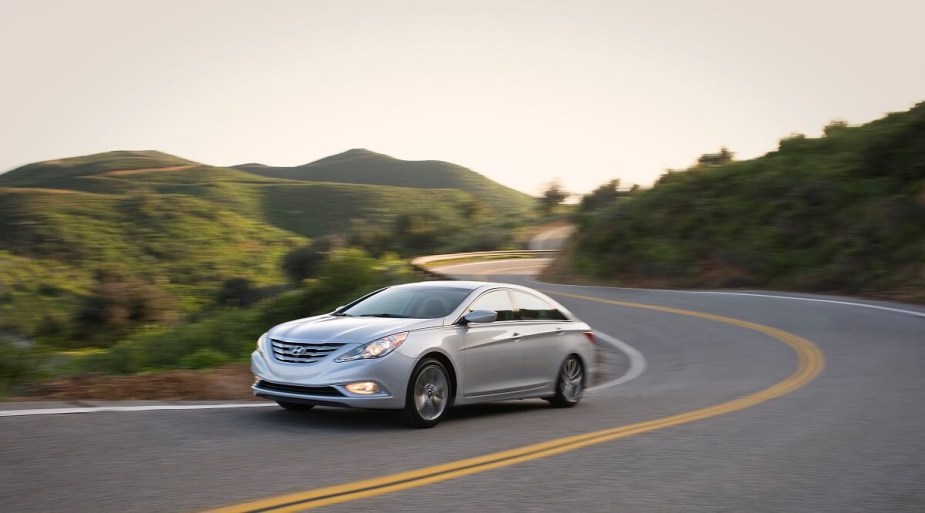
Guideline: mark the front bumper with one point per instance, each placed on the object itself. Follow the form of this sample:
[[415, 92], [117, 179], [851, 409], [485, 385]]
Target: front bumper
[[324, 383]]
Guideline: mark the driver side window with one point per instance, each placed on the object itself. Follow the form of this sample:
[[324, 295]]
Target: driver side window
[[498, 301]]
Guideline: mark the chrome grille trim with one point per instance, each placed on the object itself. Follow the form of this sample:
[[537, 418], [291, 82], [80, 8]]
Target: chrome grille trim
[[302, 352]]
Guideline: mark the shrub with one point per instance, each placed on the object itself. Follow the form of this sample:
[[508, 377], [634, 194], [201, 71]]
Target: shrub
[[18, 366], [303, 262], [203, 359], [237, 292]]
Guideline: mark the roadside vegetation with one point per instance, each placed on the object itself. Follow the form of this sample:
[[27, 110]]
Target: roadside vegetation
[[842, 213], [128, 262]]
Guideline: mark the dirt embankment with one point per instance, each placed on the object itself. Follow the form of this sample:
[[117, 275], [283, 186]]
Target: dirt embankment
[[228, 382]]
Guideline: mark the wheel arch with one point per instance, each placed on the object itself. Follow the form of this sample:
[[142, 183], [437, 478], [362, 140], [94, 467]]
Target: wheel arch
[[448, 365]]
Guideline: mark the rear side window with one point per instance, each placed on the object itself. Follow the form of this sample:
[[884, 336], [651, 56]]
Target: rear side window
[[533, 308], [497, 301]]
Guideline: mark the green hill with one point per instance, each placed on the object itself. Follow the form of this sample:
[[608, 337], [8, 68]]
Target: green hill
[[361, 166], [55, 173], [843, 213], [145, 223]]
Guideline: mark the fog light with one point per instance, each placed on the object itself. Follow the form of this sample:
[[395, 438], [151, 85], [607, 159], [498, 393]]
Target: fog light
[[363, 387]]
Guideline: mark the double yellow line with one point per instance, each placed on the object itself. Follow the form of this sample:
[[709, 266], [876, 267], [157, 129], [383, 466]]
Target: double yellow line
[[810, 364]]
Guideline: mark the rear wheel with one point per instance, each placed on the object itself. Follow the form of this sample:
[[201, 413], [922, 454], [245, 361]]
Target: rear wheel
[[295, 406], [428, 397], [571, 383]]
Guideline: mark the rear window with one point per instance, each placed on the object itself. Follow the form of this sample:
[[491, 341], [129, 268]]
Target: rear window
[[533, 308]]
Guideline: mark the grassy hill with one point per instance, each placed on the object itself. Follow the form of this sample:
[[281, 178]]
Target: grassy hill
[[145, 225], [842, 213], [57, 173], [361, 166], [66, 240]]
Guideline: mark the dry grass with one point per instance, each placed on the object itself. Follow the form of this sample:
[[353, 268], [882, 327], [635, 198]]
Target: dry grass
[[228, 382], [127, 172]]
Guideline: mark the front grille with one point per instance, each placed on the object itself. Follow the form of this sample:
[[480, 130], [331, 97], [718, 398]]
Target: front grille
[[298, 389], [302, 352]]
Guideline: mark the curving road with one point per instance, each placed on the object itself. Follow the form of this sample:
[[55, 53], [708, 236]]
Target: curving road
[[748, 402], [554, 238]]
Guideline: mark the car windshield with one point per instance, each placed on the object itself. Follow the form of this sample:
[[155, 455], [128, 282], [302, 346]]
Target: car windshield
[[411, 302]]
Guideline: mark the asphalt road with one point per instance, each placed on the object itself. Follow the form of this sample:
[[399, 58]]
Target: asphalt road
[[849, 436], [554, 238]]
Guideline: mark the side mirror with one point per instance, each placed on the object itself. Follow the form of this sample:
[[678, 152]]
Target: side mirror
[[479, 316], [339, 309]]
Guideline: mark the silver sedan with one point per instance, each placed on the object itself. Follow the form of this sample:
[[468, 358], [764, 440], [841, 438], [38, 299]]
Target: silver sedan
[[424, 347]]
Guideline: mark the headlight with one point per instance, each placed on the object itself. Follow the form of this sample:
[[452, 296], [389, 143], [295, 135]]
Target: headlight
[[260, 343], [375, 349]]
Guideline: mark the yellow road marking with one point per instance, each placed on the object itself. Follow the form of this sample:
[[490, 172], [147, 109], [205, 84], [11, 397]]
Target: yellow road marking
[[810, 363]]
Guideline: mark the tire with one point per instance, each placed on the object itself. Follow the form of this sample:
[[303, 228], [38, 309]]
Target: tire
[[295, 406], [570, 385], [428, 397]]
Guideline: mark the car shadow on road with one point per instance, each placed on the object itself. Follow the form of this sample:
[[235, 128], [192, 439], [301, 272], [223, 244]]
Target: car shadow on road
[[326, 419], [323, 419], [496, 409]]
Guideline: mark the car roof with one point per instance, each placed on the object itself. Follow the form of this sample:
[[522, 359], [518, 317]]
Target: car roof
[[474, 286], [466, 285]]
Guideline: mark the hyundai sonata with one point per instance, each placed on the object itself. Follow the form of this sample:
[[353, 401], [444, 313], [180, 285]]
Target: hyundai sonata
[[424, 347]]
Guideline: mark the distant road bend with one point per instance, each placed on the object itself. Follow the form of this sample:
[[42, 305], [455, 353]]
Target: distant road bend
[[749, 402]]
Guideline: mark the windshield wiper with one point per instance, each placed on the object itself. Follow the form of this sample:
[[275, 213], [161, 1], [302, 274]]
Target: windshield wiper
[[389, 315]]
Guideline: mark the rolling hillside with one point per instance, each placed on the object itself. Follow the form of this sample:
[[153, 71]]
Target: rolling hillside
[[361, 166], [60, 173], [843, 213], [149, 219]]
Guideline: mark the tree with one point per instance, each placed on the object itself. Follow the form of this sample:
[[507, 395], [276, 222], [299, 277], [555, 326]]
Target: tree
[[305, 261], [552, 197], [794, 140], [602, 196], [350, 269], [834, 126], [716, 159], [237, 292], [117, 307]]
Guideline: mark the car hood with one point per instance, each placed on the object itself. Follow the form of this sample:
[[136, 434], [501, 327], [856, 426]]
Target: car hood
[[332, 328]]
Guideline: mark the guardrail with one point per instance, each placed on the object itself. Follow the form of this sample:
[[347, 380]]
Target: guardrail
[[421, 264]]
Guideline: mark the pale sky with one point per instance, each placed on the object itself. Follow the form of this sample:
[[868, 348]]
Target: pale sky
[[521, 91]]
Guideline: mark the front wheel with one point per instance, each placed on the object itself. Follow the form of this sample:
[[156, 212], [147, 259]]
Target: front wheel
[[570, 385], [428, 396]]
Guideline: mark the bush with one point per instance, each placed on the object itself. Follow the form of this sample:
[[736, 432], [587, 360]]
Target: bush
[[118, 307], [843, 213], [203, 359], [349, 270], [237, 292], [18, 366], [304, 262], [229, 334]]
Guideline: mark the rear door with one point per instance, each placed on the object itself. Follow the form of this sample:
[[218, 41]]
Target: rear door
[[544, 331]]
